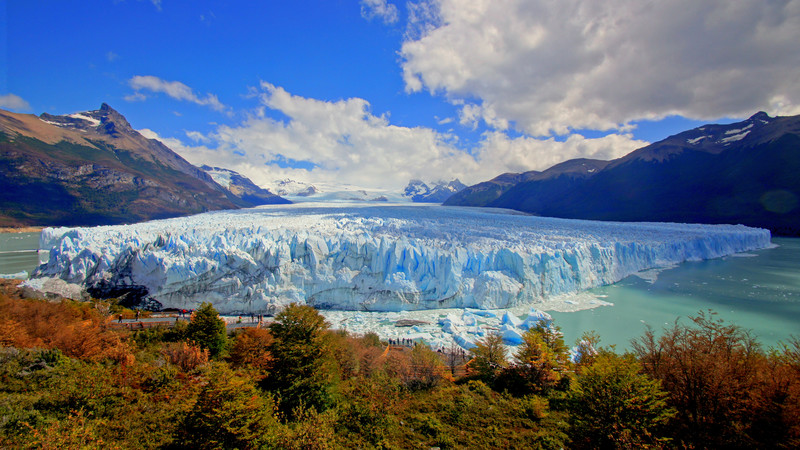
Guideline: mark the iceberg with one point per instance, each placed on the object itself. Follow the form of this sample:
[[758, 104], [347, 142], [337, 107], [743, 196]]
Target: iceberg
[[388, 257]]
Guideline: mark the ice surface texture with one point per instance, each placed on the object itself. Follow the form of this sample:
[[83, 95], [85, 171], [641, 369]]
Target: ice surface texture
[[375, 258]]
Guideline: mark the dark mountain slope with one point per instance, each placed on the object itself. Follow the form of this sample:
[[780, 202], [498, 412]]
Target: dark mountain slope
[[486, 192], [745, 173]]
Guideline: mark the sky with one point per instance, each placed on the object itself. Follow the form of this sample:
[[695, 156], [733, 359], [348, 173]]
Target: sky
[[375, 93]]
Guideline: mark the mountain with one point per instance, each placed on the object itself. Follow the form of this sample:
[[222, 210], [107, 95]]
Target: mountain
[[242, 188], [746, 172], [292, 187], [418, 191], [488, 192], [93, 168]]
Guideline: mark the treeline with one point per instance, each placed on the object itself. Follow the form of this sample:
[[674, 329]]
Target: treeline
[[68, 380]]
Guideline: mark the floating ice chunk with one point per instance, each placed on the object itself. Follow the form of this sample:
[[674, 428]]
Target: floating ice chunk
[[464, 342], [469, 319], [535, 317], [511, 335], [510, 319], [23, 275]]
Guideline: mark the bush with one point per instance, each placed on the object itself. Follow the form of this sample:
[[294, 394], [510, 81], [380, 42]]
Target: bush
[[251, 350], [186, 356]]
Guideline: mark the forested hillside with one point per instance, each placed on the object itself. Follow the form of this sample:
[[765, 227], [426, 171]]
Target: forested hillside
[[72, 377]]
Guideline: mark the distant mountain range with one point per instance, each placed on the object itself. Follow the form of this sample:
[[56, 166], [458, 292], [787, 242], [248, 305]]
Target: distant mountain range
[[241, 187], [420, 192], [747, 172], [93, 168]]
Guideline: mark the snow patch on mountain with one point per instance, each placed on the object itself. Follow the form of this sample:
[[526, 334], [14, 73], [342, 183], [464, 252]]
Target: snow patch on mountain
[[372, 258], [220, 176], [288, 187]]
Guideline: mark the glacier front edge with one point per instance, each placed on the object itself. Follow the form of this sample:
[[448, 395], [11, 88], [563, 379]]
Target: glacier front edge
[[373, 258]]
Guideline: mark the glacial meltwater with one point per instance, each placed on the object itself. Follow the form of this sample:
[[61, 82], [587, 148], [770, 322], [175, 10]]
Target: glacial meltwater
[[18, 253], [758, 290]]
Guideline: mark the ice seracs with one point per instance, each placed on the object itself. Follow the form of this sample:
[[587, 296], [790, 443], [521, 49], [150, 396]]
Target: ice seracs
[[369, 257]]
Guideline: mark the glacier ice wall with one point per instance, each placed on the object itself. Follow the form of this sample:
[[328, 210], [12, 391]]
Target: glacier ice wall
[[379, 258]]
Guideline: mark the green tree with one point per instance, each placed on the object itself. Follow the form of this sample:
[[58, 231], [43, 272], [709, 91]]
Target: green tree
[[540, 363], [613, 405], [207, 330], [488, 357], [303, 373], [230, 413]]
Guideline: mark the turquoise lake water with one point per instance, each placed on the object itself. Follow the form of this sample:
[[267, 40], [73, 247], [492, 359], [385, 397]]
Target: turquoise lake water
[[759, 291], [18, 252]]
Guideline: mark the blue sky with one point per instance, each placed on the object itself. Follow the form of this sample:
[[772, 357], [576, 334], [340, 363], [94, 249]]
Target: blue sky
[[376, 92]]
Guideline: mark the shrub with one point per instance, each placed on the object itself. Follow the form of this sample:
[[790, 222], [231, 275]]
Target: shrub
[[251, 350], [187, 356]]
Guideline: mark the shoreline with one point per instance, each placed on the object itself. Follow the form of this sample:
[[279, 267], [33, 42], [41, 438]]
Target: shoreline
[[21, 229]]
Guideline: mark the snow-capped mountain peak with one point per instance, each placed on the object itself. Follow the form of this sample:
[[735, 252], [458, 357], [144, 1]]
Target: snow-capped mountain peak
[[419, 191]]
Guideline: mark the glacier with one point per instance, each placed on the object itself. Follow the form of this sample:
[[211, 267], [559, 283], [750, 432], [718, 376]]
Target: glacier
[[359, 257]]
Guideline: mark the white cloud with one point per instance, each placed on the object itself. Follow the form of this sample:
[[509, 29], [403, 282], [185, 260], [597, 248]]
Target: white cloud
[[15, 102], [552, 66], [371, 9], [135, 97], [347, 143], [503, 154], [174, 89]]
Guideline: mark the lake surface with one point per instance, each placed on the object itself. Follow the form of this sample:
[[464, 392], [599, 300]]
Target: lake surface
[[18, 252], [759, 291]]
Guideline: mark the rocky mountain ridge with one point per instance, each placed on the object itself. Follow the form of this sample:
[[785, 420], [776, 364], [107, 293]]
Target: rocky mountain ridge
[[93, 168], [745, 172]]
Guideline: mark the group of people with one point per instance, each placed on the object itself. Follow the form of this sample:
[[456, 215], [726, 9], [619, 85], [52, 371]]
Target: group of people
[[402, 341], [119, 318], [253, 318]]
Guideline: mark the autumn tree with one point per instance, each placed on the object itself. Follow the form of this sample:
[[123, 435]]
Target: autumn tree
[[711, 371], [303, 374], [251, 350], [229, 413], [587, 348], [207, 329], [489, 357], [540, 363], [613, 405]]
